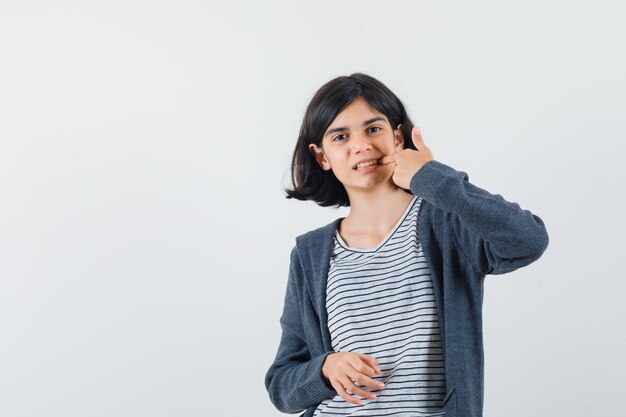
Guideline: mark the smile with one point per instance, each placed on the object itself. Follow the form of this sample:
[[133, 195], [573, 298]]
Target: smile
[[367, 164]]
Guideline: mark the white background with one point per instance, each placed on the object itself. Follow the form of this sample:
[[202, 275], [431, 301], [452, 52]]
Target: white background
[[144, 237]]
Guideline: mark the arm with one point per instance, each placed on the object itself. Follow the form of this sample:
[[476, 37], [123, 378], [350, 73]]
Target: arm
[[294, 381], [494, 235]]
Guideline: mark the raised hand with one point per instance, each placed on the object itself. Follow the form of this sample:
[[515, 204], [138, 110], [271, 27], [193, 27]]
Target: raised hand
[[408, 161], [343, 369]]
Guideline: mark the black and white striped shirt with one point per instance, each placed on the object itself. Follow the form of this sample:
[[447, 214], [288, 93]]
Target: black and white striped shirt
[[380, 302]]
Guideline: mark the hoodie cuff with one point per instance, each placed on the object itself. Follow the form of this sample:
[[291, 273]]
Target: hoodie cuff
[[316, 389], [429, 178]]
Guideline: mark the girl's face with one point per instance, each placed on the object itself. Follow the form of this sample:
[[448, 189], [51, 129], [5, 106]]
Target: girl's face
[[359, 134]]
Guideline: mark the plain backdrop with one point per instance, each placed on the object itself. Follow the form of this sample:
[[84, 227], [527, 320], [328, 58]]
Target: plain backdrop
[[145, 237]]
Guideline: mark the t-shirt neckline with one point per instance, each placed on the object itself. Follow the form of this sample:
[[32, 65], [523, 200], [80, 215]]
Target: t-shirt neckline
[[382, 242]]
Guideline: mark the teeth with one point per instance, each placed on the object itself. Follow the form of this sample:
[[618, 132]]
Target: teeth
[[366, 164]]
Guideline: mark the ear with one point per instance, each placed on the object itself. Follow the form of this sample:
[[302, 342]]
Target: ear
[[320, 156], [399, 137]]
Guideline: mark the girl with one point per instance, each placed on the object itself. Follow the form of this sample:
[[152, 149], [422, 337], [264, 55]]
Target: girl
[[383, 308]]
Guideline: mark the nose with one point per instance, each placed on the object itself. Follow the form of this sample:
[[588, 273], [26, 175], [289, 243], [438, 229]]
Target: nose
[[360, 142]]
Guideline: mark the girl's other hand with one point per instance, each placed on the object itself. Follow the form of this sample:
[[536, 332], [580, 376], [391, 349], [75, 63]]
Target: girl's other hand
[[408, 161], [343, 369]]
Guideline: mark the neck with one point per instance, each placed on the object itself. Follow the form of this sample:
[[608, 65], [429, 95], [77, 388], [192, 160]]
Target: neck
[[377, 210]]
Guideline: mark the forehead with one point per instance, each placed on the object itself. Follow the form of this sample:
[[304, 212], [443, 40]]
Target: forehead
[[355, 113]]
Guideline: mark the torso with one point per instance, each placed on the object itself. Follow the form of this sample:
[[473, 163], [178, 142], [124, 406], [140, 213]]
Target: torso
[[380, 302]]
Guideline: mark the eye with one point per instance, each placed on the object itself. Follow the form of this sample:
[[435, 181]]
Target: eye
[[374, 127], [335, 138]]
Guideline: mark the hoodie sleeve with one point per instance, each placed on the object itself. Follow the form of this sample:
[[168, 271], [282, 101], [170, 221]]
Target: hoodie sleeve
[[294, 381], [496, 236]]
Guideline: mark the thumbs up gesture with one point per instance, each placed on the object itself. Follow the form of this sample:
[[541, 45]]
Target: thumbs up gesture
[[408, 161]]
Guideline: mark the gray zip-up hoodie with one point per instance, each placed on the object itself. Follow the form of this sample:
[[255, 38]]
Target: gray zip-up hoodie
[[466, 233]]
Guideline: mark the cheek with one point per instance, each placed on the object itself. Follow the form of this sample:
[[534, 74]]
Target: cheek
[[389, 145], [336, 159]]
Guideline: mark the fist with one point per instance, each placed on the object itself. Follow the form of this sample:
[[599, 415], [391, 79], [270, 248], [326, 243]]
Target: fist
[[408, 161]]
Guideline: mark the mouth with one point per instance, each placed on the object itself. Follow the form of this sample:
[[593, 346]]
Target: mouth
[[365, 164]]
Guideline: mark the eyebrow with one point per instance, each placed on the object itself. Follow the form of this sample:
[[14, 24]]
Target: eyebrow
[[365, 123]]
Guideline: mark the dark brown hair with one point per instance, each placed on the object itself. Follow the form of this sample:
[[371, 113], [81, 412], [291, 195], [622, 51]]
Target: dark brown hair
[[310, 181]]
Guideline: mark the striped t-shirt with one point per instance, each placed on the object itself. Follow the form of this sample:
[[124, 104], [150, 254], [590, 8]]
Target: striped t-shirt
[[380, 302]]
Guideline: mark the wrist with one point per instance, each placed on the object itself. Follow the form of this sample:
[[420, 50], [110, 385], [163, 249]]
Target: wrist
[[325, 366]]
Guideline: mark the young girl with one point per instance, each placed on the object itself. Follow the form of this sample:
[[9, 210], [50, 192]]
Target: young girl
[[383, 308]]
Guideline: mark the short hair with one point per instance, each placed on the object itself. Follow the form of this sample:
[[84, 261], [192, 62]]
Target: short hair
[[310, 181]]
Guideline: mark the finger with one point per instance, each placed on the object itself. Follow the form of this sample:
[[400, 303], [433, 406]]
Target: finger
[[416, 135], [343, 393], [367, 381], [364, 380], [355, 389], [360, 366], [363, 374], [372, 362], [387, 159]]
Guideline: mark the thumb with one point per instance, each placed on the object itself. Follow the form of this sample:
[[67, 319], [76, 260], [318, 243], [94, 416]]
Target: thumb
[[416, 135]]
